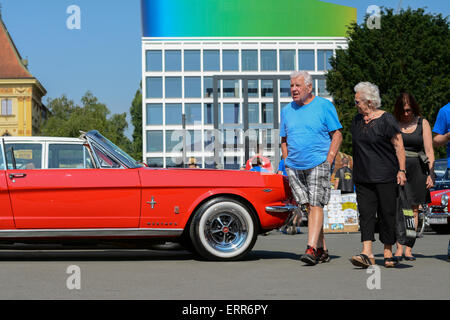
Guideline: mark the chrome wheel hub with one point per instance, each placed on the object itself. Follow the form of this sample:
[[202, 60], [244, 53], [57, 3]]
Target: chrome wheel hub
[[226, 231]]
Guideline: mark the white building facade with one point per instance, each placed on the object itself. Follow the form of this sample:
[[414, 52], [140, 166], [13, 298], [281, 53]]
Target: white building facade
[[245, 79]]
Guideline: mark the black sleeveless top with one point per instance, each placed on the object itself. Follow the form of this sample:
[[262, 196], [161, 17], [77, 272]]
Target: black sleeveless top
[[414, 141]]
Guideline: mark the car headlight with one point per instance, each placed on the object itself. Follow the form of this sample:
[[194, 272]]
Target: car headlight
[[444, 200]]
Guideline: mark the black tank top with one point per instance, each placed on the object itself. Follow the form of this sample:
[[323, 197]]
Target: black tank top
[[414, 141]]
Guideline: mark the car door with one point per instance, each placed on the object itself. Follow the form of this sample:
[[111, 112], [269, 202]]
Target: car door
[[68, 192], [6, 217]]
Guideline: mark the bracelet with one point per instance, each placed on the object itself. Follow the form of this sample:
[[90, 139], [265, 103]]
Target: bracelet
[[404, 171]]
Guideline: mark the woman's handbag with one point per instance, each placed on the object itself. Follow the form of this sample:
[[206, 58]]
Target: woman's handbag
[[405, 226]]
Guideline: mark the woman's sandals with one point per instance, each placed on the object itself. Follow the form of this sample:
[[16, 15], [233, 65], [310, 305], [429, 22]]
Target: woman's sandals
[[362, 261]]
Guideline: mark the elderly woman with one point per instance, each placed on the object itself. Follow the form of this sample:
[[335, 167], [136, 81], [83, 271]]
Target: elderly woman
[[378, 169]]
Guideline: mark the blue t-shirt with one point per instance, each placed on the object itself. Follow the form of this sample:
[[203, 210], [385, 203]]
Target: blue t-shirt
[[307, 129], [282, 168], [442, 126]]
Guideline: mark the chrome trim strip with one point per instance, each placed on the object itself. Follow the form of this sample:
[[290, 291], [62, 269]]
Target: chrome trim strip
[[64, 233], [280, 209]]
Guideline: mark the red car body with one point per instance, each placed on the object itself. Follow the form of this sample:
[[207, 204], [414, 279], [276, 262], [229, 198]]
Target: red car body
[[439, 218], [136, 202]]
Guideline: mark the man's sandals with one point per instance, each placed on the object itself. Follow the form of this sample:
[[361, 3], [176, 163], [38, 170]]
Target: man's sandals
[[362, 261]]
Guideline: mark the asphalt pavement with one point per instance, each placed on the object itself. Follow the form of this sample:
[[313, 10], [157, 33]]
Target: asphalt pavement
[[272, 271]]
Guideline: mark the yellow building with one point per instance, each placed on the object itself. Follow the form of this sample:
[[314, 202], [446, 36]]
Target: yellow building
[[22, 111]]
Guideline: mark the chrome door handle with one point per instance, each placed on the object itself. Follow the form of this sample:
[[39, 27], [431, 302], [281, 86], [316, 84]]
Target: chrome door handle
[[17, 175]]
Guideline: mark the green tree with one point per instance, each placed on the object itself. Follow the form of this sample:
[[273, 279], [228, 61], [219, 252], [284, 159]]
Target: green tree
[[67, 120], [409, 53], [136, 120]]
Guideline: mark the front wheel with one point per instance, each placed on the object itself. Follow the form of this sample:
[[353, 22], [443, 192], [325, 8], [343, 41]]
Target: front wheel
[[223, 229]]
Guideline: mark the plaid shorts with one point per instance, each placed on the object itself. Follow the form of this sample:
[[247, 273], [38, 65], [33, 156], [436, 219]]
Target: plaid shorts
[[311, 186]]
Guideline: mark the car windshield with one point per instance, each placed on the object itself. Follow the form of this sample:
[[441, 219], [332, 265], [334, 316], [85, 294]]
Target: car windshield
[[115, 150], [439, 168]]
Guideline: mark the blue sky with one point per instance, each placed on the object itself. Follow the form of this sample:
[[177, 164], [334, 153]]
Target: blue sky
[[104, 56]]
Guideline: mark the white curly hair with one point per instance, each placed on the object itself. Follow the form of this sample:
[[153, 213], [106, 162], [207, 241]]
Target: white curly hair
[[369, 92], [304, 74]]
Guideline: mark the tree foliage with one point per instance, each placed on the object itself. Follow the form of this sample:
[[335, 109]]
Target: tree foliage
[[67, 120], [409, 53], [136, 120]]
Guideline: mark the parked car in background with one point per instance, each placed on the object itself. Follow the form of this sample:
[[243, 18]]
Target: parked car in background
[[77, 190], [438, 210], [439, 217], [442, 175]]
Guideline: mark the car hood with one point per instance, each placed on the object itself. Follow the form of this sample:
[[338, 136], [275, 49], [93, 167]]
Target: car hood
[[437, 195]]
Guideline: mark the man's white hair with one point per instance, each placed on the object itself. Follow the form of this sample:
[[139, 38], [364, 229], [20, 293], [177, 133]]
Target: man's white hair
[[304, 74], [369, 91]]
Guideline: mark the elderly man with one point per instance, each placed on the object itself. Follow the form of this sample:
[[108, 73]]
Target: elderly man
[[442, 130], [310, 139]]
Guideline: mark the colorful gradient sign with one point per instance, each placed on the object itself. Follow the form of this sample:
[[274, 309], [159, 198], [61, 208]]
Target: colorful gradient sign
[[245, 18]]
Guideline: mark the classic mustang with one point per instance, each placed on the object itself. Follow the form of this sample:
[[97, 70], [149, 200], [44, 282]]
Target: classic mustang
[[70, 190]]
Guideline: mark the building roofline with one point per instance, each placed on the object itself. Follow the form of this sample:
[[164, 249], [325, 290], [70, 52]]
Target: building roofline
[[16, 51]]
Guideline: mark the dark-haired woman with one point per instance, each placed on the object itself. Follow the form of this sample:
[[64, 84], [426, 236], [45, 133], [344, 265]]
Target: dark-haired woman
[[417, 140]]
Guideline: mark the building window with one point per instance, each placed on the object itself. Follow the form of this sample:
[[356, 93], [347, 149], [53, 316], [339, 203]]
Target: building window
[[211, 60], [193, 113], [253, 88], [174, 114], [191, 60], [153, 60], [156, 162], [173, 87], [230, 60], [155, 141], [174, 162], [154, 114], [287, 60], [194, 141], [253, 113], [208, 87], [249, 60], [322, 88], [209, 113], [267, 88], [7, 107], [154, 87], [192, 87], [306, 60], [231, 113], [173, 60], [231, 88], [268, 60], [285, 88], [174, 140], [323, 59], [267, 113]]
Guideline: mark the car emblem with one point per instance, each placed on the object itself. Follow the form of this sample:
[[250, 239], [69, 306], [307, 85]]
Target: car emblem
[[152, 203]]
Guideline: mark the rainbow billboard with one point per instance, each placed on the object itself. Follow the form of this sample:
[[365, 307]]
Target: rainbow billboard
[[244, 18]]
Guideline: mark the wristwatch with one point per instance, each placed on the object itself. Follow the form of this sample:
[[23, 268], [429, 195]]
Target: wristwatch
[[401, 170]]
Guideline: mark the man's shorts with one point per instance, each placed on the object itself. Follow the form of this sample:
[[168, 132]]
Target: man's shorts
[[311, 186]]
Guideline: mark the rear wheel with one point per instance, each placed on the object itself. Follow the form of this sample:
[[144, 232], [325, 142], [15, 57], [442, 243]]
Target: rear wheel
[[223, 229]]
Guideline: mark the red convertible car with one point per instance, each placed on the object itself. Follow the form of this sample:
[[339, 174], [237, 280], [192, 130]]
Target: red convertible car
[[67, 190]]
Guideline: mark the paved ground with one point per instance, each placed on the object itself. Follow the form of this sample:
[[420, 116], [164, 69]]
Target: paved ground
[[271, 271]]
